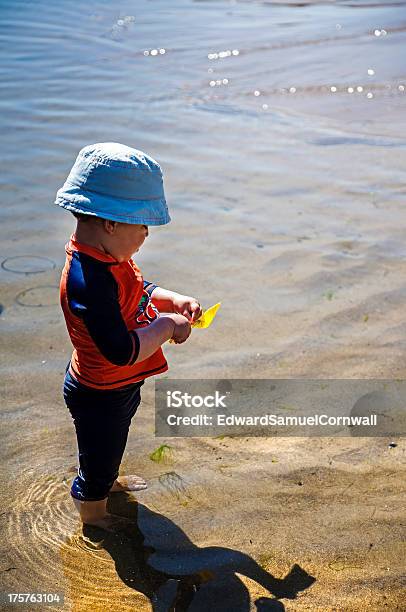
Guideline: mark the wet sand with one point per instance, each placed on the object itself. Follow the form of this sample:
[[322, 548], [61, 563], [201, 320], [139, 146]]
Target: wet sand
[[232, 515], [293, 216]]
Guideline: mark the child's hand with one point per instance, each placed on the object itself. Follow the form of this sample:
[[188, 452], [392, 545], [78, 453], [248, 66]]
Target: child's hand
[[187, 306], [182, 328]]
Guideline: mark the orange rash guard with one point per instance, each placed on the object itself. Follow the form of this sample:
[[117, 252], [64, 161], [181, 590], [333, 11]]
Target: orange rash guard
[[104, 302]]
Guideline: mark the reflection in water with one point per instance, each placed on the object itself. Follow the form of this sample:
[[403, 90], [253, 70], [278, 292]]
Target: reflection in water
[[178, 577]]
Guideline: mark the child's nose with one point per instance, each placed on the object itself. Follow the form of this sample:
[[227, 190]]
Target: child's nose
[[146, 230]]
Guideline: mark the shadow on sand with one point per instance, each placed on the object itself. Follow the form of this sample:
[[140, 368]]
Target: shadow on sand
[[176, 575]]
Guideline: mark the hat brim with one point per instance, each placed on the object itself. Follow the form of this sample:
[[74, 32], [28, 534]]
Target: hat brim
[[144, 212]]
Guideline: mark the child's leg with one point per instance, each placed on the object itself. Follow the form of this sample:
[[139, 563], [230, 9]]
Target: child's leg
[[102, 421], [91, 512], [95, 513]]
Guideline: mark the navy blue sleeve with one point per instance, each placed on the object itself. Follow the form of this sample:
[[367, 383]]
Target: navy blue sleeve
[[93, 296], [149, 287]]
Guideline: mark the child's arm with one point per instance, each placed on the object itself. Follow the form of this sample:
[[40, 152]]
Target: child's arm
[[123, 347], [170, 301], [168, 326], [92, 295]]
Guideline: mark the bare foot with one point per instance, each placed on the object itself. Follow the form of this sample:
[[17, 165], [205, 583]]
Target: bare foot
[[129, 483], [110, 522]]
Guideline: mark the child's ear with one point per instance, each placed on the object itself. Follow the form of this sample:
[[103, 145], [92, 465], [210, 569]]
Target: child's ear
[[109, 226]]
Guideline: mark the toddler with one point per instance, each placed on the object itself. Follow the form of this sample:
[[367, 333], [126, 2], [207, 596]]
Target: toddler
[[114, 317]]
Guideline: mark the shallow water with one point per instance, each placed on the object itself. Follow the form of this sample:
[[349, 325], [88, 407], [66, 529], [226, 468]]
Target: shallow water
[[272, 120], [280, 127], [78, 73]]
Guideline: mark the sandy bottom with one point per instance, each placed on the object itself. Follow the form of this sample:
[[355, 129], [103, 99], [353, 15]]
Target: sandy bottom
[[226, 524]]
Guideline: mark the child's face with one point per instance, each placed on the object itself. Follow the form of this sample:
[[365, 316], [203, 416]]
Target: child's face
[[124, 239]]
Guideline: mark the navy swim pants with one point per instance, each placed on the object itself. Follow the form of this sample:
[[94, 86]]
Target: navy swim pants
[[102, 420]]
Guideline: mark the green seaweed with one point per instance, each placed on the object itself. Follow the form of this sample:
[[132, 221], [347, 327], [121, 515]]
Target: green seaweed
[[162, 454], [329, 295]]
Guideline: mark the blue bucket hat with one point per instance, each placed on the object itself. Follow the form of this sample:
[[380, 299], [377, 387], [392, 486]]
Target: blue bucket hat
[[113, 181]]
